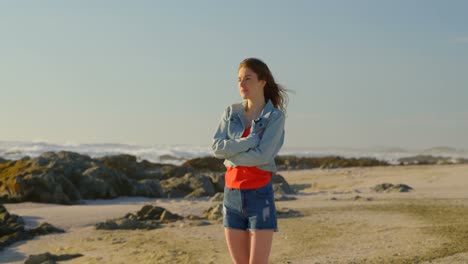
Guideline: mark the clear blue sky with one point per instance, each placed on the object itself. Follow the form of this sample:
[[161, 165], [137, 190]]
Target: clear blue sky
[[365, 73]]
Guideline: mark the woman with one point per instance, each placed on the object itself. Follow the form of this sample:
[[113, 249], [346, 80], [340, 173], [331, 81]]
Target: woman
[[248, 137]]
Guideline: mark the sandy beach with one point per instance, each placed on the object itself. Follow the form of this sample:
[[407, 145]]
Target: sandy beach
[[343, 221]]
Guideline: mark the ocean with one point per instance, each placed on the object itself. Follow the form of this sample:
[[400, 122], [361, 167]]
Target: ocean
[[178, 153]]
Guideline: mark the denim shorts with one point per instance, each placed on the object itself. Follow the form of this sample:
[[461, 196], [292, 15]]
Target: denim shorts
[[250, 209]]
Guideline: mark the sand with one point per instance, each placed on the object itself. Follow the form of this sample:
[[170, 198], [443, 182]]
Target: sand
[[427, 225]]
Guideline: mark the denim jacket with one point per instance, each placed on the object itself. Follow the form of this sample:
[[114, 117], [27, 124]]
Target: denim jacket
[[256, 149]]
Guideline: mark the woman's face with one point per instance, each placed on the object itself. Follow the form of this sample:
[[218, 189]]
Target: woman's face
[[249, 85]]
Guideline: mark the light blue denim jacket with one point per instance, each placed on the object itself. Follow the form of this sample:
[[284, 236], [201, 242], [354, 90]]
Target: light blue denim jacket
[[256, 149]]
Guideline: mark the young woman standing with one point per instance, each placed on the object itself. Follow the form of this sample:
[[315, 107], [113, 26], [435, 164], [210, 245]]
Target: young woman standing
[[248, 137]]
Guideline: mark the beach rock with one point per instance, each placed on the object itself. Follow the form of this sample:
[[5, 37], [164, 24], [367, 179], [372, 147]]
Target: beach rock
[[150, 212], [148, 217], [355, 198], [280, 185], [282, 197], [389, 187], [149, 188], [101, 182], [177, 171], [67, 178], [194, 217], [12, 228], [47, 187], [214, 213], [358, 197], [218, 197], [199, 192], [190, 185], [167, 217], [287, 212], [45, 229], [128, 224], [205, 164], [50, 258], [64, 177], [217, 179], [289, 162], [128, 165], [330, 166]]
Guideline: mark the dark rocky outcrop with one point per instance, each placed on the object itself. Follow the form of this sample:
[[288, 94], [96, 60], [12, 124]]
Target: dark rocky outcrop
[[281, 188], [152, 217], [358, 197], [190, 185], [280, 185], [355, 198], [67, 178], [214, 213], [49, 258], [389, 187], [63, 177], [128, 165], [287, 212], [149, 217], [288, 162], [12, 228], [217, 178], [218, 197], [205, 164], [45, 229]]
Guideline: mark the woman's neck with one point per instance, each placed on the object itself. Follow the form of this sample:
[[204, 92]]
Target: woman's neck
[[255, 105]]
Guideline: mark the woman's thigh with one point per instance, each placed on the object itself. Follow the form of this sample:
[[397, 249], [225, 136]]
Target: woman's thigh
[[238, 242], [260, 245]]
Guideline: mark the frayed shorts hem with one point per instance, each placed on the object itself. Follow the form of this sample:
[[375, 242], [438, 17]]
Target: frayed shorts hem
[[252, 229]]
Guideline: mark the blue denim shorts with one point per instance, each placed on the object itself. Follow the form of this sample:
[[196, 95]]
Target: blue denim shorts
[[250, 209]]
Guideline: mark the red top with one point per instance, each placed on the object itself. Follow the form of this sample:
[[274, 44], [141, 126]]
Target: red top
[[245, 177]]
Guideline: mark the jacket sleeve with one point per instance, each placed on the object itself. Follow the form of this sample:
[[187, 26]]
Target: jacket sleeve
[[223, 147], [271, 142]]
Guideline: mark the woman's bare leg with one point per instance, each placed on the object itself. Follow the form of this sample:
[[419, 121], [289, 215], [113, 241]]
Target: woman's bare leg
[[260, 246], [238, 242]]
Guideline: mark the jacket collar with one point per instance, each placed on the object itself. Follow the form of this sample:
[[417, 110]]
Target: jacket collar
[[239, 108]]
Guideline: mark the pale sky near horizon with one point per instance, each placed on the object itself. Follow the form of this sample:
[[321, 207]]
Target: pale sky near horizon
[[365, 73]]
